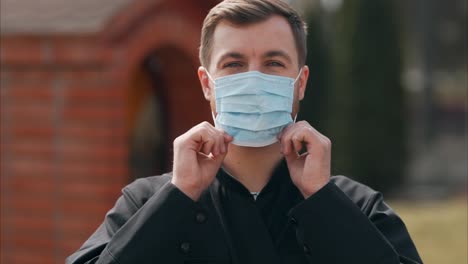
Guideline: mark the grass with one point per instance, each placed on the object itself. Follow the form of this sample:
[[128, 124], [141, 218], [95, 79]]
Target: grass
[[438, 228]]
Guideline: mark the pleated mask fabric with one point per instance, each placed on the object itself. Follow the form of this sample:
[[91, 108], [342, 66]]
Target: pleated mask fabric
[[253, 107]]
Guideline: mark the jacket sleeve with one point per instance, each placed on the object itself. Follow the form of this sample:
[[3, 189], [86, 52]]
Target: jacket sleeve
[[356, 227], [132, 229]]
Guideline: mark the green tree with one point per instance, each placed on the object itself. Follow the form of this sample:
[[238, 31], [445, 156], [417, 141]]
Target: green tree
[[367, 124], [315, 106]]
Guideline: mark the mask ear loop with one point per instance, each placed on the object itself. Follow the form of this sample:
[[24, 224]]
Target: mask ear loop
[[295, 80], [209, 75], [299, 155], [211, 79], [299, 75]]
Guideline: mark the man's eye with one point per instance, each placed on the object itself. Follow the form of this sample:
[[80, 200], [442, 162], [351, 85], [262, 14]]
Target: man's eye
[[275, 64], [232, 65]]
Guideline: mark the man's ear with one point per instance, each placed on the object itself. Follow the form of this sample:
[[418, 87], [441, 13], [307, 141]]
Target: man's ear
[[302, 82], [205, 82]]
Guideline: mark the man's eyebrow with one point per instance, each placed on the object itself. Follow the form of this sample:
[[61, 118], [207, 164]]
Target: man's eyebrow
[[278, 53], [233, 55]]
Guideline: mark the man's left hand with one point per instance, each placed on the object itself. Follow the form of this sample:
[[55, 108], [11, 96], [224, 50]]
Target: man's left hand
[[309, 171]]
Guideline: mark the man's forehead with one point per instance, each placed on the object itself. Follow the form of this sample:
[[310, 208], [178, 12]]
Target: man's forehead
[[270, 37]]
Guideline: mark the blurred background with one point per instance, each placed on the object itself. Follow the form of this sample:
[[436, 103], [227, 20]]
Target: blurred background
[[93, 93]]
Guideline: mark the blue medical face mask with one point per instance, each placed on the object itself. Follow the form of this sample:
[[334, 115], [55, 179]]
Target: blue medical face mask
[[253, 107]]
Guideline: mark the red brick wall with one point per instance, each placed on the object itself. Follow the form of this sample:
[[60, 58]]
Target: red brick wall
[[63, 145], [64, 122]]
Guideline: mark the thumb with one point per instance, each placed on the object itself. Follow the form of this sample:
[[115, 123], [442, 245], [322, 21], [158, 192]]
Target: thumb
[[212, 162], [291, 158]]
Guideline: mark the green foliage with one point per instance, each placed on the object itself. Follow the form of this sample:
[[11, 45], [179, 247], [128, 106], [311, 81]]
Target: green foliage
[[314, 107], [360, 89]]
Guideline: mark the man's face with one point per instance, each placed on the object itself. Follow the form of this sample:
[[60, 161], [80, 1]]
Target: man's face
[[267, 47]]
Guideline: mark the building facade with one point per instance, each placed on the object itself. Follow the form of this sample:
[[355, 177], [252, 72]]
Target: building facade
[[92, 95]]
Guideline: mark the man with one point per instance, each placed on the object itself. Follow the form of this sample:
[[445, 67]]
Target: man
[[256, 188]]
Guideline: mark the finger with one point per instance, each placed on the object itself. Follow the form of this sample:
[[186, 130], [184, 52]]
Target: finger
[[218, 138], [297, 141], [317, 147], [222, 139], [227, 138], [219, 143], [318, 134], [285, 130], [210, 135], [285, 140], [286, 144], [200, 133], [319, 142], [207, 146], [222, 145], [214, 162]]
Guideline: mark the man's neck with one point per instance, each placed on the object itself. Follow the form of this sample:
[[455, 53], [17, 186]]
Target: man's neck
[[252, 167]]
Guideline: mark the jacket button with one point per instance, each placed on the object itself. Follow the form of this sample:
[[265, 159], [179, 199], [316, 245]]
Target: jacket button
[[185, 247], [306, 249], [200, 217], [293, 221]]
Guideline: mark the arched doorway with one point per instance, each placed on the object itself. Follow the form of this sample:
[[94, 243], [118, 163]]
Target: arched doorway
[[155, 47], [164, 102]]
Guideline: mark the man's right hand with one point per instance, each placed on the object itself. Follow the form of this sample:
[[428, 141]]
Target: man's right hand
[[198, 155]]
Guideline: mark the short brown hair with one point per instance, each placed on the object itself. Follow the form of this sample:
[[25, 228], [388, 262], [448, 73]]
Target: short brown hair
[[245, 12]]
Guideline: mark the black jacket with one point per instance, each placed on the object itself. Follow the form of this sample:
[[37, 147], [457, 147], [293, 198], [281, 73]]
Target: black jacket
[[154, 222]]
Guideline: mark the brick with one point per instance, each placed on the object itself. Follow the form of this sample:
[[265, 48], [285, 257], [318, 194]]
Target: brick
[[96, 169], [84, 130], [79, 151], [100, 169], [24, 131], [28, 256], [76, 195], [92, 190], [80, 51], [61, 50], [36, 112], [21, 51], [35, 148], [92, 136], [33, 131], [27, 241], [31, 185], [96, 94], [26, 167], [30, 92], [102, 178], [29, 224], [33, 209], [94, 113], [28, 176], [107, 123], [119, 72], [30, 76], [86, 75], [4, 201]]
